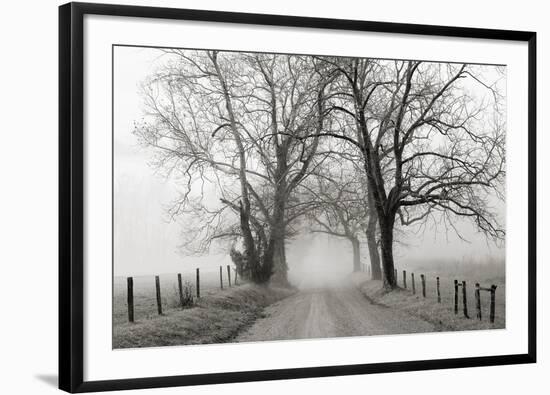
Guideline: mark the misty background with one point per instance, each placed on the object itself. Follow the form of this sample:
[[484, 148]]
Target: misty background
[[146, 240]]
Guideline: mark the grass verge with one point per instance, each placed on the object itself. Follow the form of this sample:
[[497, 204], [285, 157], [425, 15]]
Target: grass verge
[[215, 319], [439, 314]]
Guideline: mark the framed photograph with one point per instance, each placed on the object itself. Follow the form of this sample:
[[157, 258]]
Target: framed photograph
[[250, 197]]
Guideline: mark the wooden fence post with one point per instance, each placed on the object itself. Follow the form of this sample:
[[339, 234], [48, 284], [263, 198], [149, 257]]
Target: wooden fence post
[[412, 283], [159, 300], [423, 279], [395, 275], [229, 276], [456, 296], [198, 285], [221, 278], [478, 302], [464, 301], [235, 282], [438, 292], [180, 287], [405, 279], [492, 311], [130, 281]]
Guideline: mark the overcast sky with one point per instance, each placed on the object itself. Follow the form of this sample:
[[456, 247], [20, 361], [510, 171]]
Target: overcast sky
[[146, 242]]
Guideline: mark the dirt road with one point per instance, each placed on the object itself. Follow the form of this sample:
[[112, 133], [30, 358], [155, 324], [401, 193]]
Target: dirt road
[[330, 312]]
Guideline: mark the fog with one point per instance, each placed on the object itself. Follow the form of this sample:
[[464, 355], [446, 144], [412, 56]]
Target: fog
[[146, 243], [317, 260]]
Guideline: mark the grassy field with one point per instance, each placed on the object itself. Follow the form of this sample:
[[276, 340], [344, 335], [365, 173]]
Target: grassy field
[[218, 316], [442, 314], [145, 303]]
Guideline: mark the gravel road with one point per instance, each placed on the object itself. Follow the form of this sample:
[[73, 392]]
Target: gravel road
[[330, 312]]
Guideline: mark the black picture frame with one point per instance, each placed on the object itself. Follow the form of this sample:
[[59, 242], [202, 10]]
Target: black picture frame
[[71, 195]]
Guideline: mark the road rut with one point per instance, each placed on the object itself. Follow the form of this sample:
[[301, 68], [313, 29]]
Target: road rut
[[330, 312]]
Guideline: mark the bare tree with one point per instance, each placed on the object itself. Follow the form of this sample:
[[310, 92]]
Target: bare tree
[[445, 146], [429, 138], [339, 212], [337, 202], [219, 117]]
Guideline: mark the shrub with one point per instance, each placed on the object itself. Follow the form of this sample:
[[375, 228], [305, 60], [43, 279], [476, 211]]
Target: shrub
[[186, 299], [238, 258]]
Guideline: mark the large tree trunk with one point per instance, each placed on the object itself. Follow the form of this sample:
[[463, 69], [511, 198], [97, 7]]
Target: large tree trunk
[[278, 227], [356, 254], [250, 252], [260, 265], [280, 267], [377, 201], [374, 255], [376, 271], [386, 238]]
